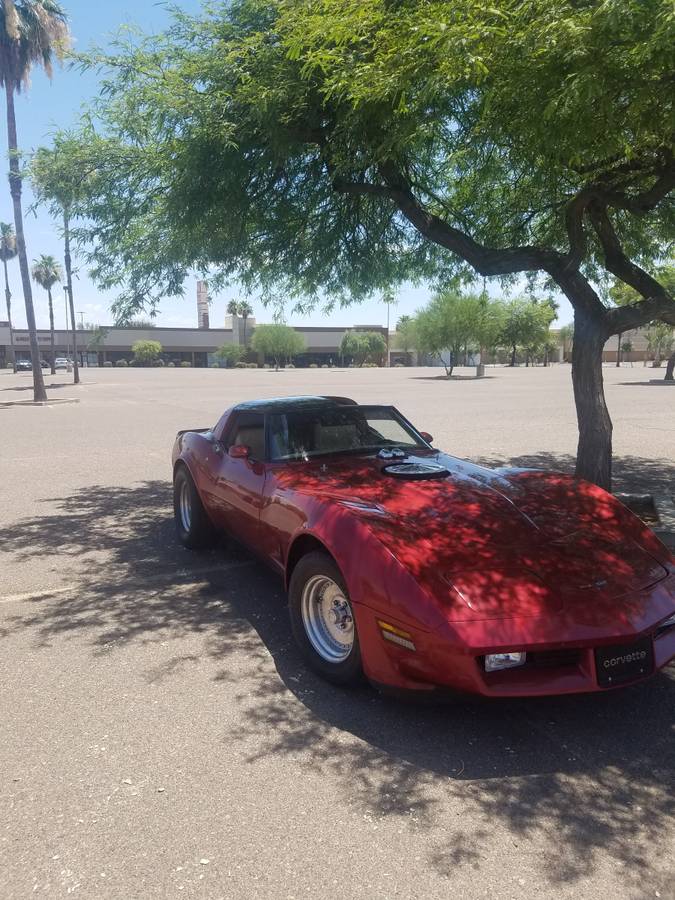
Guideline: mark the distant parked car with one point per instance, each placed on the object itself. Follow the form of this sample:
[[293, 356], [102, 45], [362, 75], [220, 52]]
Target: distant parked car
[[23, 365], [62, 363]]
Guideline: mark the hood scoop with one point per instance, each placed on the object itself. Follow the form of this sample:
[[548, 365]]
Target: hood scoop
[[415, 471]]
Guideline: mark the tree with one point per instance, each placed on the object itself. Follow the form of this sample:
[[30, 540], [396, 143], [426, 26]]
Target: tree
[[137, 322], [7, 252], [566, 335], [241, 308], [146, 352], [363, 346], [405, 338], [47, 272], [59, 176], [457, 322], [525, 326], [245, 310], [231, 354], [622, 294], [98, 336], [31, 32], [332, 148], [278, 341], [659, 341]]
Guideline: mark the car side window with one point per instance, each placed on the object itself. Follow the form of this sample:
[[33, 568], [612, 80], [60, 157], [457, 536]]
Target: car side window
[[248, 430]]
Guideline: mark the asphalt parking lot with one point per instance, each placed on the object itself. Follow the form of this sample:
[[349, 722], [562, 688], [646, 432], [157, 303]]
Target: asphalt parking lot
[[160, 737]]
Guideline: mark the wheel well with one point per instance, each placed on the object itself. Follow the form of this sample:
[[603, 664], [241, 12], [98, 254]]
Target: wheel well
[[180, 464], [301, 546]]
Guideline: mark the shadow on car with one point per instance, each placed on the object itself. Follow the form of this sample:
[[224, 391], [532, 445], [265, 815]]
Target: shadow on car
[[586, 776]]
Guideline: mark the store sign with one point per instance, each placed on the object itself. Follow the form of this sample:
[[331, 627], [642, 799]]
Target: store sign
[[25, 339]]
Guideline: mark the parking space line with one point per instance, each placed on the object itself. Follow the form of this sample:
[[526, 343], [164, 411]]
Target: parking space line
[[183, 576]]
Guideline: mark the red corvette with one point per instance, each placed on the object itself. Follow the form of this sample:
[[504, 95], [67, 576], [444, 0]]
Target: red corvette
[[422, 571]]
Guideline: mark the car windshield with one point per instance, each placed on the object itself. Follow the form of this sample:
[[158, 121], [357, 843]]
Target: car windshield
[[301, 434]]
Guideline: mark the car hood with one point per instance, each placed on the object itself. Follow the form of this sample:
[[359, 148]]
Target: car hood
[[489, 544]]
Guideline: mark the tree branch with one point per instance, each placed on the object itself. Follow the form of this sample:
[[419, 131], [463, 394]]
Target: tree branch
[[657, 302]]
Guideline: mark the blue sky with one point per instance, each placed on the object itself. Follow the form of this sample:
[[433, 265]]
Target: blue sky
[[49, 105]]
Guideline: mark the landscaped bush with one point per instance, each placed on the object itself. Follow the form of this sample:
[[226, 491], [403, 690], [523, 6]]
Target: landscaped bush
[[313, 366], [185, 364], [290, 366], [370, 365], [159, 364], [399, 365], [251, 365], [121, 363], [266, 366], [325, 366], [241, 365], [108, 364], [171, 365]]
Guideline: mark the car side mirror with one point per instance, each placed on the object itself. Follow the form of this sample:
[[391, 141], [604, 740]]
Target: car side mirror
[[239, 451], [426, 436]]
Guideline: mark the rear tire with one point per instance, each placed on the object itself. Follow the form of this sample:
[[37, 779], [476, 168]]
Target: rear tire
[[193, 526], [322, 620]]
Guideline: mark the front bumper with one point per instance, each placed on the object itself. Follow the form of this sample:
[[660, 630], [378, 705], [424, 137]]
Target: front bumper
[[451, 658]]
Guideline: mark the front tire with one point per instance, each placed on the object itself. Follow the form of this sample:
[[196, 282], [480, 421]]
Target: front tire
[[322, 620], [193, 526]]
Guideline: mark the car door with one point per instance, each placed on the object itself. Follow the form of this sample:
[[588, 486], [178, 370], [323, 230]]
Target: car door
[[239, 481]]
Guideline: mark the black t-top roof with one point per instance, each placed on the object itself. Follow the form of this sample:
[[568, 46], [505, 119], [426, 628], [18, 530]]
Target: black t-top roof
[[286, 404]]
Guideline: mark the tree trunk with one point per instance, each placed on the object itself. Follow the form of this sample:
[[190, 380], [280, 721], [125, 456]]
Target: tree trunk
[[69, 284], [594, 451], [8, 300], [670, 369], [513, 357], [51, 331], [618, 349], [39, 392]]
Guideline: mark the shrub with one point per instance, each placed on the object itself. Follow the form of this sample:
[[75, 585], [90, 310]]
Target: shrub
[[108, 364], [290, 366], [185, 364], [399, 365], [370, 365], [159, 363], [240, 365], [121, 363], [146, 352], [251, 365], [313, 366], [171, 365]]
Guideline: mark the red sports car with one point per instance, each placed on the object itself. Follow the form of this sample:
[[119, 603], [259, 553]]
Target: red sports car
[[422, 571]]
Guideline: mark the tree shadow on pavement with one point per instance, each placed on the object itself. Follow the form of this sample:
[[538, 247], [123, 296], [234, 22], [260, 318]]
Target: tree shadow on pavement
[[583, 779], [634, 474]]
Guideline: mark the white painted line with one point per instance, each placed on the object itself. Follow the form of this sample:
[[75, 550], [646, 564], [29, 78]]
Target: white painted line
[[180, 576], [37, 595]]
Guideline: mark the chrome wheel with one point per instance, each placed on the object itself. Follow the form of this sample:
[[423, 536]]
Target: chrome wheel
[[327, 618], [185, 506]]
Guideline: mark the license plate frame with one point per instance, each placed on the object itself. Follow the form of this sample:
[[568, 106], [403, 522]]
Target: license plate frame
[[619, 663]]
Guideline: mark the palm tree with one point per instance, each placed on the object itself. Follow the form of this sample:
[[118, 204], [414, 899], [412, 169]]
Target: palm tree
[[47, 272], [31, 31], [245, 310], [7, 252]]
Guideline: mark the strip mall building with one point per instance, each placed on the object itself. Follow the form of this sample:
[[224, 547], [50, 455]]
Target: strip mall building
[[194, 345]]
